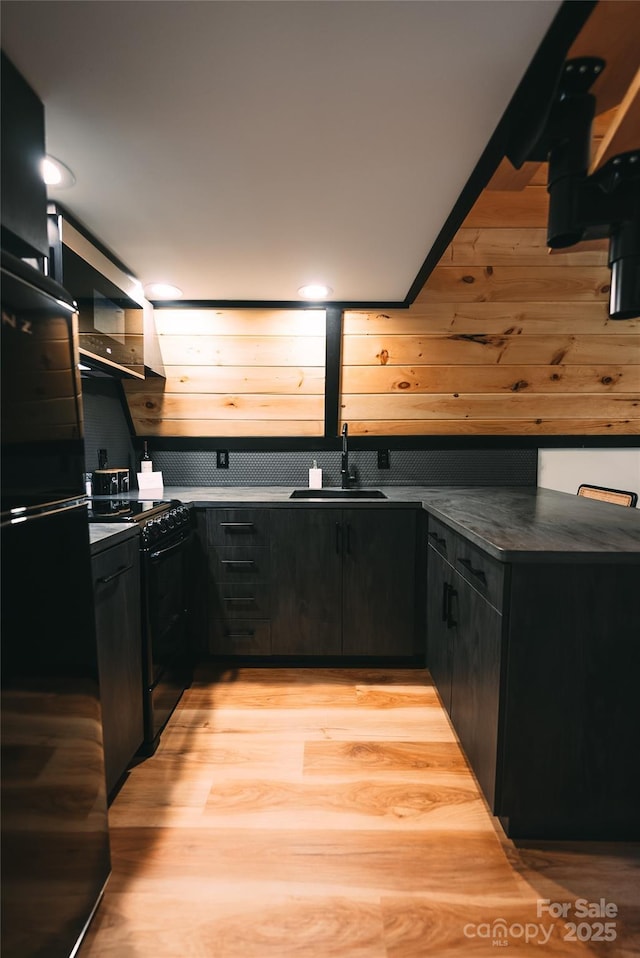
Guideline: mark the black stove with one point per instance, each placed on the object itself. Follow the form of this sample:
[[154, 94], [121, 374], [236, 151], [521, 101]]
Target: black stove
[[108, 509], [157, 518], [165, 535]]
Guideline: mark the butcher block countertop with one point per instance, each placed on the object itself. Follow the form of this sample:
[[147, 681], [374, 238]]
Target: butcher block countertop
[[513, 524]]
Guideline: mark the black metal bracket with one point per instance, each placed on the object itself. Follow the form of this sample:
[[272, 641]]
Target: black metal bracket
[[605, 204]]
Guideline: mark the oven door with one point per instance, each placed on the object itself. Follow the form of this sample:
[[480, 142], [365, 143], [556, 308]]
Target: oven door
[[167, 658]]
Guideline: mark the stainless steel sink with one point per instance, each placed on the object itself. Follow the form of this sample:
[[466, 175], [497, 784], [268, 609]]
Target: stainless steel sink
[[337, 494]]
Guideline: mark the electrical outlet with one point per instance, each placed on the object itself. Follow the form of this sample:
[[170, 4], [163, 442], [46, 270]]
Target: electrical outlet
[[222, 459], [383, 459]]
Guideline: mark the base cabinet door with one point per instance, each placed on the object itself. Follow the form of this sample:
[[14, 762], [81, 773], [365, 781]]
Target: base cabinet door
[[440, 634], [116, 577], [344, 582], [378, 582], [475, 681], [306, 561]]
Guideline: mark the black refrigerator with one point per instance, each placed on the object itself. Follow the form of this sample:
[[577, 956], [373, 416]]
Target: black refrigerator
[[55, 841]]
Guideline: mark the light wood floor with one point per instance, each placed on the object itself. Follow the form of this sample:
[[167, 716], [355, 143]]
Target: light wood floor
[[330, 814]]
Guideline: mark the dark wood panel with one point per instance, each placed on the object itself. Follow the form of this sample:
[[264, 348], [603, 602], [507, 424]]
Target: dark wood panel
[[574, 659], [439, 634], [306, 562], [119, 639], [475, 681], [378, 597]]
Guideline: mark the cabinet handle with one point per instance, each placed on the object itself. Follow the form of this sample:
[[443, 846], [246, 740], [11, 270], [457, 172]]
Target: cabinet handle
[[237, 526], [476, 573], [445, 601], [103, 580], [338, 538], [238, 562], [451, 594], [439, 539], [239, 598], [240, 634]]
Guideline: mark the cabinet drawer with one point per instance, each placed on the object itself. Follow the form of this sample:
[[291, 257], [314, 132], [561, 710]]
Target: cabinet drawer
[[442, 539], [114, 562], [242, 637], [241, 564], [230, 527], [485, 574], [236, 600]]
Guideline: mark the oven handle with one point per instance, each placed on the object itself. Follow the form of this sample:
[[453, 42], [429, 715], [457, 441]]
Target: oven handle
[[161, 553]]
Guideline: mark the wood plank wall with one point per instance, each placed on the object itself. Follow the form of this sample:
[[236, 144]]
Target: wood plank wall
[[243, 372], [504, 339]]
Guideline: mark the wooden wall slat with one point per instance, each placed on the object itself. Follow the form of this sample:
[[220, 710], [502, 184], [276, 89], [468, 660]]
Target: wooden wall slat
[[497, 210], [463, 349], [388, 380], [469, 406], [224, 428], [505, 247], [461, 284], [242, 350], [278, 380], [240, 322], [233, 407], [572, 318], [495, 427]]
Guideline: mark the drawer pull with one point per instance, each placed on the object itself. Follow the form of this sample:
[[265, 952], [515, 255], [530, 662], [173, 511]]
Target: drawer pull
[[114, 575], [439, 539], [237, 526], [240, 634], [476, 573], [239, 598], [238, 562]]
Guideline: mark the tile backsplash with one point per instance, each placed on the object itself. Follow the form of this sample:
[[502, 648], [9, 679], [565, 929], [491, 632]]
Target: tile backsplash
[[105, 426], [514, 467]]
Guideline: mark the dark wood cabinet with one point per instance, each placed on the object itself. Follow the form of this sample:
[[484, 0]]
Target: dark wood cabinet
[[378, 582], [307, 582], [116, 578], [475, 679], [238, 586], [439, 626], [24, 194], [344, 582], [538, 662], [465, 646]]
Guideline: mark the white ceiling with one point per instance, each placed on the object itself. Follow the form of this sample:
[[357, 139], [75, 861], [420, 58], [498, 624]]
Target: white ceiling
[[240, 149]]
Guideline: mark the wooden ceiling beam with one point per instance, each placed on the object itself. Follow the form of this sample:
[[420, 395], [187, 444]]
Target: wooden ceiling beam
[[623, 134], [613, 33]]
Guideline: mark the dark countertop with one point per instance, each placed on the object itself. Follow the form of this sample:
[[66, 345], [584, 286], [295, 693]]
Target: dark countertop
[[513, 524]]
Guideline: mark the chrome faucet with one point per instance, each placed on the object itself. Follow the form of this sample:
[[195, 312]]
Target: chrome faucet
[[347, 477]]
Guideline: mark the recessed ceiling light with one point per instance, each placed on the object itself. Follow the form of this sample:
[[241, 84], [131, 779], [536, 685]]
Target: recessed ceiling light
[[56, 174], [162, 291], [315, 291]]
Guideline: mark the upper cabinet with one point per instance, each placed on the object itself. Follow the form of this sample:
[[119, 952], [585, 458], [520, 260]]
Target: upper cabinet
[[24, 196]]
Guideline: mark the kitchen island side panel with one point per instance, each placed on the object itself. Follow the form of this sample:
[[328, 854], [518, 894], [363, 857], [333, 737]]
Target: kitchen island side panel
[[570, 719]]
